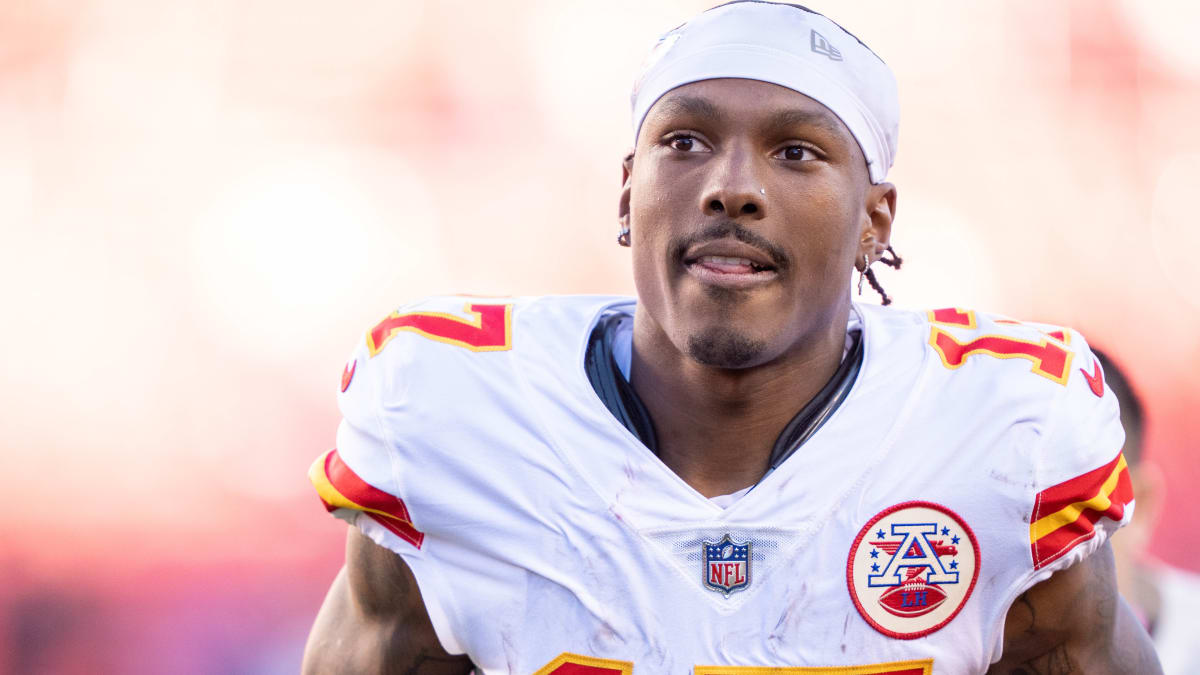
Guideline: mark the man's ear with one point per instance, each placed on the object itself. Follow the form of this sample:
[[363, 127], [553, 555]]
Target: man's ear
[[1150, 486], [626, 180], [877, 221]]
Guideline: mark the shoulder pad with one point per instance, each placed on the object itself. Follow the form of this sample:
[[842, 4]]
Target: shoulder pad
[[957, 335], [1081, 484]]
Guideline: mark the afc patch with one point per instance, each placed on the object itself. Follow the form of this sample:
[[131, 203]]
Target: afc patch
[[912, 568], [726, 565]]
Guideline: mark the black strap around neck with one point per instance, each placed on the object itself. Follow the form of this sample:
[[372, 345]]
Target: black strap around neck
[[612, 387], [623, 402]]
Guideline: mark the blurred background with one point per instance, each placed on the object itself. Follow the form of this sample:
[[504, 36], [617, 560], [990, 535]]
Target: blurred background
[[205, 203]]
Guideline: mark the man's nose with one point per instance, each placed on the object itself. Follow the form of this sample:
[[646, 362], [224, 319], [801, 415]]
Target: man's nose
[[735, 187]]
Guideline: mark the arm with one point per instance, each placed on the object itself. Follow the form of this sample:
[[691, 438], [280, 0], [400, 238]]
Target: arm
[[374, 621], [1076, 622]]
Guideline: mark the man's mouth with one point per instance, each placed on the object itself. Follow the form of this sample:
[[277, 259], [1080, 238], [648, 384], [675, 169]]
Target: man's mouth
[[730, 255], [731, 265], [728, 268]]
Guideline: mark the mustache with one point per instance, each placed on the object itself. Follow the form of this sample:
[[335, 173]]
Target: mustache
[[723, 229]]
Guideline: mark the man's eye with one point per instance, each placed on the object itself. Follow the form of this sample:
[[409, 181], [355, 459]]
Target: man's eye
[[684, 143], [797, 152]]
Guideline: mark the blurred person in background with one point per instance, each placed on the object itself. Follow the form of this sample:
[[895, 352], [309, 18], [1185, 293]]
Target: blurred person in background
[[742, 467], [1166, 599]]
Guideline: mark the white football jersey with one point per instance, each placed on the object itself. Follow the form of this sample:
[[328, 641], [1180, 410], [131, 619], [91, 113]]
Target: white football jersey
[[973, 457]]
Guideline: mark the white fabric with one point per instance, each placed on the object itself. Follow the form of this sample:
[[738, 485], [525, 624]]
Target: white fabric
[[788, 46], [549, 528], [726, 501]]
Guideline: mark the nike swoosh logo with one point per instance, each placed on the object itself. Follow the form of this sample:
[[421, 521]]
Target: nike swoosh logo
[[348, 374], [1095, 379]]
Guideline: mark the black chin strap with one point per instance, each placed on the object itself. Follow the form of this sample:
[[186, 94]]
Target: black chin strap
[[817, 411], [621, 400]]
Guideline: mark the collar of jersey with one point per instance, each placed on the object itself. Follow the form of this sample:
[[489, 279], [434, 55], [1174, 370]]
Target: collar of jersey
[[607, 379]]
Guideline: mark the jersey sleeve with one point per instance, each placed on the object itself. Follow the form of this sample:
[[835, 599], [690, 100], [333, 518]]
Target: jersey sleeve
[[358, 482], [355, 478], [1083, 490]]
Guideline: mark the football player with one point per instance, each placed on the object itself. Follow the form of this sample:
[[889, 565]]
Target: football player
[[742, 470]]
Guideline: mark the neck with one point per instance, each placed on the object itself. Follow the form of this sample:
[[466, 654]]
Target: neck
[[716, 427]]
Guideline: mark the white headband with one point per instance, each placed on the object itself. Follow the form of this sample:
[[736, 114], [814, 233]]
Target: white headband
[[787, 45]]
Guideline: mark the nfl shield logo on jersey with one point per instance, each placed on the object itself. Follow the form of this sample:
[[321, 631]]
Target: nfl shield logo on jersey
[[912, 568], [726, 565]]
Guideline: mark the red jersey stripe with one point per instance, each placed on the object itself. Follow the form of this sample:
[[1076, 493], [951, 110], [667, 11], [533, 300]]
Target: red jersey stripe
[[1066, 514], [340, 488]]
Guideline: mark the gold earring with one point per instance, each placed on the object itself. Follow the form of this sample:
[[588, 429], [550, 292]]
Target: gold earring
[[862, 274]]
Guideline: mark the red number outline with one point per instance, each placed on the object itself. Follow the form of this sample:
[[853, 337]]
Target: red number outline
[[576, 664], [922, 667], [1049, 358], [490, 330], [953, 316], [584, 665]]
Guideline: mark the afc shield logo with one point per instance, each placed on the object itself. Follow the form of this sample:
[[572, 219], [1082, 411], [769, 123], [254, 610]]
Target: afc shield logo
[[726, 565], [912, 568]]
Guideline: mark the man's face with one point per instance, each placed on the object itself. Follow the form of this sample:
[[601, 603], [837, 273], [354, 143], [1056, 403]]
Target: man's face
[[748, 204]]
